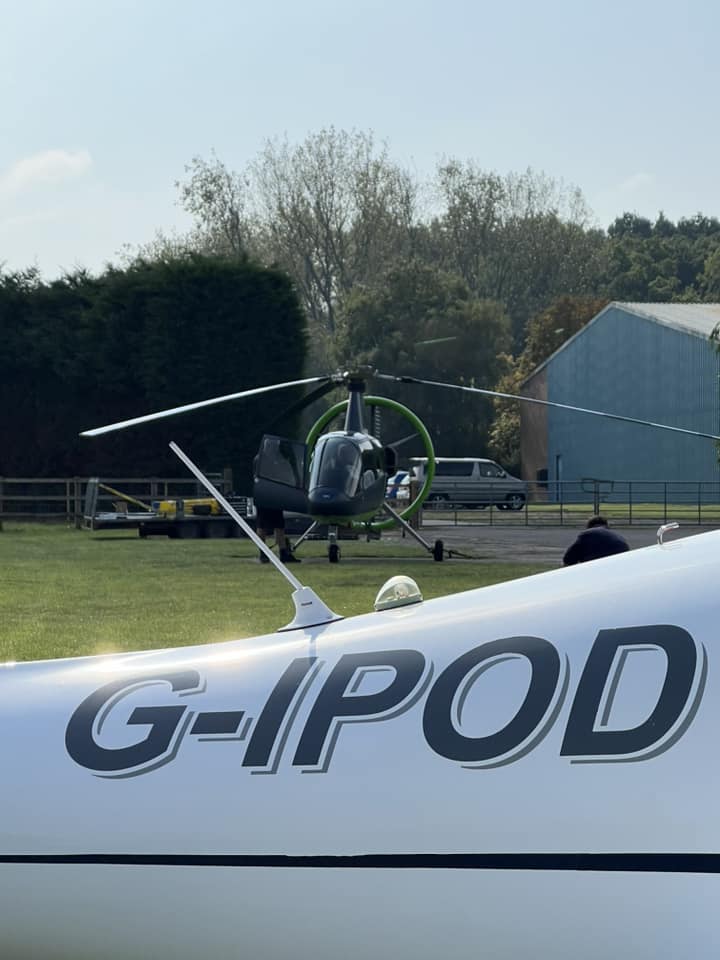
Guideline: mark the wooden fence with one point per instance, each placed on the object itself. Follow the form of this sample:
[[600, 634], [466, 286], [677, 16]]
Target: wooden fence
[[63, 498]]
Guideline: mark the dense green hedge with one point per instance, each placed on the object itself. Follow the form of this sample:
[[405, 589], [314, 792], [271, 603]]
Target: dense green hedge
[[84, 351]]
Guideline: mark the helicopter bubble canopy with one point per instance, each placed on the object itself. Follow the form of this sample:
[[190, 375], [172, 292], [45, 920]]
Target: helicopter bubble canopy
[[346, 468]]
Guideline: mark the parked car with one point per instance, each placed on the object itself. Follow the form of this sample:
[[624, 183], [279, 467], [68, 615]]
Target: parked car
[[398, 486], [463, 482]]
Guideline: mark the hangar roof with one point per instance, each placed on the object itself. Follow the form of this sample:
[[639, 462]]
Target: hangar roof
[[698, 319]]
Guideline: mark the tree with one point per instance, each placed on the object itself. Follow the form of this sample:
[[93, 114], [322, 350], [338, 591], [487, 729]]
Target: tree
[[545, 334], [23, 365], [334, 210], [521, 239], [661, 261], [196, 328], [43, 369], [220, 202], [149, 337], [710, 278], [421, 321]]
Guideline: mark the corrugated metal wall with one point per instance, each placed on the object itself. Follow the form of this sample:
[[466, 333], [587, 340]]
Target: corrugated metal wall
[[626, 364], [534, 430]]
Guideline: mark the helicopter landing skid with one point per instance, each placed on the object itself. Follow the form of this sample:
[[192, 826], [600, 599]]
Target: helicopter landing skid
[[437, 549]]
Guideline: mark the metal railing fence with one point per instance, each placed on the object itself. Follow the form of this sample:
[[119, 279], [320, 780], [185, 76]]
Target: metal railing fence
[[625, 503]]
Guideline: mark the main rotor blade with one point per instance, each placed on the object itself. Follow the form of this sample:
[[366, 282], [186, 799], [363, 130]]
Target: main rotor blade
[[123, 424], [547, 403], [402, 440], [305, 401]]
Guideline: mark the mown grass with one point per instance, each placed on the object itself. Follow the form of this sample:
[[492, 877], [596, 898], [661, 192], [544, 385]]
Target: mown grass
[[67, 592]]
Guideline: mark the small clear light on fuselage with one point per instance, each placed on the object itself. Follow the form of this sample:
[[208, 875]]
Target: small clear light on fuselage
[[398, 592]]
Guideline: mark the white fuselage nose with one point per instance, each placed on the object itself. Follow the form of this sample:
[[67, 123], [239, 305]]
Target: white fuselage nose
[[523, 770]]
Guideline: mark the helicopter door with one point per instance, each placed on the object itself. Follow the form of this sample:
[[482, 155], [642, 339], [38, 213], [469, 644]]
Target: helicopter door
[[279, 475]]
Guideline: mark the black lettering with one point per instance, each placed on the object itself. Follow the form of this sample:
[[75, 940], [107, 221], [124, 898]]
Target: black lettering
[[582, 740], [268, 724], [333, 707], [164, 721], [438, 727]]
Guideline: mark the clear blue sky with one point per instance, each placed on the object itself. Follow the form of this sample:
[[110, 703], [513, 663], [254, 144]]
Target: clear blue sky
[[103, 102]]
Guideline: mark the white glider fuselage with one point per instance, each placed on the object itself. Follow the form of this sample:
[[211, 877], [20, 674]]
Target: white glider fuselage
[[528, 769]]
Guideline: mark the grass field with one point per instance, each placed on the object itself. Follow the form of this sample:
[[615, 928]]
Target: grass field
[[67, 592]]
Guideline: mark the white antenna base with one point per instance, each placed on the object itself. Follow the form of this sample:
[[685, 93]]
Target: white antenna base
[[310, 611], [665, 528]]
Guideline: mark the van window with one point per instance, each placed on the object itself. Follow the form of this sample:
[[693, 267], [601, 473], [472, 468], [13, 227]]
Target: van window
[[490, 470], [454, 469]]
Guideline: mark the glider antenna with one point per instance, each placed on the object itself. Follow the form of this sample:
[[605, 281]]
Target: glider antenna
[[310, 611]]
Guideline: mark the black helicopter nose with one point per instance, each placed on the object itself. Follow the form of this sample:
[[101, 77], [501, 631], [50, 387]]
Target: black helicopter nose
[[327, 501]]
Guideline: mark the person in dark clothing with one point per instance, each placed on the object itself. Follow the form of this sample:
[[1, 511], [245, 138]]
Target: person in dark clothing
[[268, 523], [594, 542]]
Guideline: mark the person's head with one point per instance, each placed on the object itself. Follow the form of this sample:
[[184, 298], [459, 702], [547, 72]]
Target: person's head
[[596, 521], [346, 455]]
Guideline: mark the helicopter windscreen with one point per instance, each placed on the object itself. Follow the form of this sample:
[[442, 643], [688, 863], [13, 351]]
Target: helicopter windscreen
[[337, 464]]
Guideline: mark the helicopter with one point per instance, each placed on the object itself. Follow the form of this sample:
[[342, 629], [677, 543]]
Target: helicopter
[[339, 478]]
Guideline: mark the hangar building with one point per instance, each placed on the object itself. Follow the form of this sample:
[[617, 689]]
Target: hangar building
[[653, 361]]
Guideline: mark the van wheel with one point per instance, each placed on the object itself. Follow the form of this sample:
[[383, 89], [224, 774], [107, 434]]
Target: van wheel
[[437, 499], [515, 501]]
